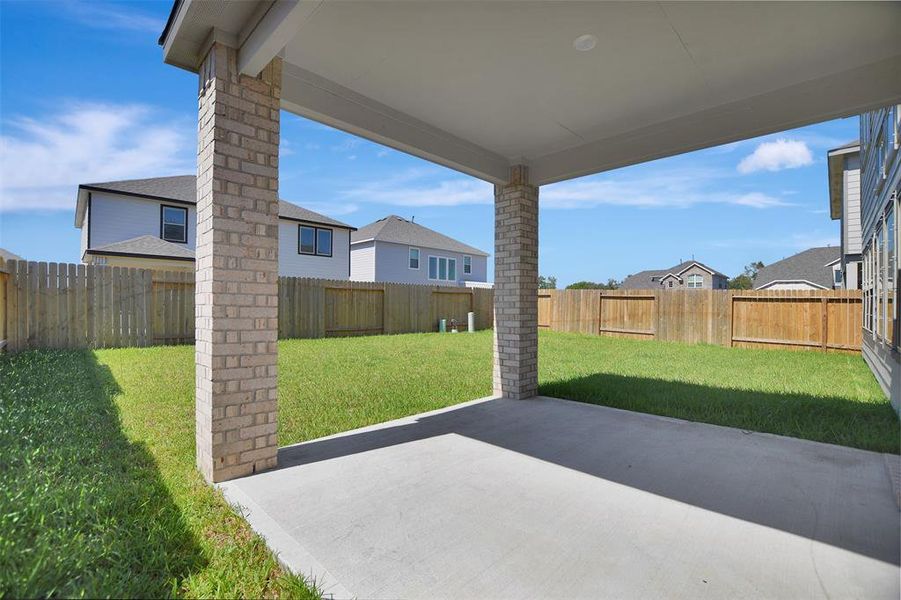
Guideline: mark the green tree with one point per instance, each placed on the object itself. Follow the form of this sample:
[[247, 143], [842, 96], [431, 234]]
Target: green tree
[[745, 281], [611, 284], [547, 283]]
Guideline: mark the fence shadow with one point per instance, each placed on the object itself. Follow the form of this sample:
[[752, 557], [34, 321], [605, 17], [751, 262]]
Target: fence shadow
[[838, 496], [91, 514]]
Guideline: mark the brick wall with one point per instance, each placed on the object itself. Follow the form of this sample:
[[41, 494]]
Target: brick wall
[[236, 302], [516, 286]]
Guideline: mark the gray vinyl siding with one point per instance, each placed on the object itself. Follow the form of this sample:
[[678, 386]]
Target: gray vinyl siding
[[293, 264], [362, 261], [116, 218], [886, 367], [851, 219], [392, 265]]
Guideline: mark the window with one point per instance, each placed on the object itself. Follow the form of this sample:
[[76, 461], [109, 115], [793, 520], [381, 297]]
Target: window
[[324, 242], [837, 276], [671, 284], [314, 240], [307, 240], [695, 281], [174, 224], [414, 258], [890, 272], [467, 265], [442, 269]]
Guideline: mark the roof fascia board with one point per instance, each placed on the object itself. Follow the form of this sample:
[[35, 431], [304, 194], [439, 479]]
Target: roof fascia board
[[94, 188], [696, 264], [314, 97], [775, 281], [269, 35], [321, 223]]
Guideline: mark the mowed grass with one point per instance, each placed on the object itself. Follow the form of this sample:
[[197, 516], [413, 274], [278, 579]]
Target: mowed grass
[[99, 495]]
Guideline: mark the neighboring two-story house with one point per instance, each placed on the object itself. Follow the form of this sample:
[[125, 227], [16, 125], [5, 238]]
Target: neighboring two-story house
[[151, 223], [687, 275], [400, 251], [844, 205], [880, 187]]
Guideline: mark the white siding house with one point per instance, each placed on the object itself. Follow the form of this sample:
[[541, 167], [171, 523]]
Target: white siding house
[[844, 204], [396, 250], [151, 223]]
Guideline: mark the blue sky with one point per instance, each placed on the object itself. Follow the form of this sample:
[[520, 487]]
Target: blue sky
[[85, 97]]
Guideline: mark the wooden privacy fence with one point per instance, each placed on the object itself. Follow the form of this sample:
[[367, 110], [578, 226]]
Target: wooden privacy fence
[[827, 320], [50, 305]]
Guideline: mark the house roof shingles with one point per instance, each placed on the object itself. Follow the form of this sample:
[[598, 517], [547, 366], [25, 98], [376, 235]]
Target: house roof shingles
[[146, 245], [183, 188], [809, 265], [644, 279], [401, 231], [7, 255]]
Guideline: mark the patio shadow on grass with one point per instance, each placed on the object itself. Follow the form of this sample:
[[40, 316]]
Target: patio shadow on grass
[[83, 510], [834, 420]]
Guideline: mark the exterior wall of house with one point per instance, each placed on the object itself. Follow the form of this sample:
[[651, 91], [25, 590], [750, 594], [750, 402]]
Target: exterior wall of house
[[392, 264], [136, 262], [851, 234], [84, 231], [291, 263], [115, 218], [880, 183], [362, 261]]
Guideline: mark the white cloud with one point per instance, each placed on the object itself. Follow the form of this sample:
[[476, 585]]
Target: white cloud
[[795, 242], [419, 187], [42, 160], [102, 15], [673, 188], [777, 155]]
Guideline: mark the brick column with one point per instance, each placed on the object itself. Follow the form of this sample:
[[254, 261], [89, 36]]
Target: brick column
[[516, 286], [237, 267]]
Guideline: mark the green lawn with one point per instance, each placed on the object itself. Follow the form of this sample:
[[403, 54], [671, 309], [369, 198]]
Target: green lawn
[[99, 495]]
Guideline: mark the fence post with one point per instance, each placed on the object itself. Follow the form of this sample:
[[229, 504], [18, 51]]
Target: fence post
[[824, 304]]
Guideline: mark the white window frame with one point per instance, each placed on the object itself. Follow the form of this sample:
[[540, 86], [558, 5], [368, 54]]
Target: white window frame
[[693, 283], [467, 268], [448, 260], [183, 209], [410, 250]]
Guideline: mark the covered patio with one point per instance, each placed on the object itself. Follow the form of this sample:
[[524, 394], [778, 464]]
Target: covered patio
[[550, 498], [520, 95]]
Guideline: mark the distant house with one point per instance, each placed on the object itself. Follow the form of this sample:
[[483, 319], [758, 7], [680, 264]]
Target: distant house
[[6, 255], [151, 223], [813, 269], [396, 250], [844, 205], [687, 275]]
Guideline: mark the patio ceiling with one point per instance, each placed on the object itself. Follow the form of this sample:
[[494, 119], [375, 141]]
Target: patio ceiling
[[480, 86]]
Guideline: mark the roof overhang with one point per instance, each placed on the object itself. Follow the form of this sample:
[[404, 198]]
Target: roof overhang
[[836, 163], [777, 281], [481, 86]]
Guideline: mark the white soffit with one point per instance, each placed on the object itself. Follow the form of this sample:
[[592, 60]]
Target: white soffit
[[479, 86]]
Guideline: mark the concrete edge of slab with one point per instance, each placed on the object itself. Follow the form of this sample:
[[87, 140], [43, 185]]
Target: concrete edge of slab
[[290, 554], [893, 466]]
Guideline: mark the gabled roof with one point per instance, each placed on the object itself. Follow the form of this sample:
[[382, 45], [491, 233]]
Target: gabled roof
[[145, 245], [812, 266], [651, 278], [183, 189], [401, 231]]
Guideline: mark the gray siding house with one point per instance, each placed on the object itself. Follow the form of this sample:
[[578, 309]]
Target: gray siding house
[[687, 275], [844, 205], [151, 223], [396, 250], [880, 186], [812, 269]]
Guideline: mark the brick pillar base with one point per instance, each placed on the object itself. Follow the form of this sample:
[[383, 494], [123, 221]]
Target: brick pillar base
[[516, 286], [237, 267]]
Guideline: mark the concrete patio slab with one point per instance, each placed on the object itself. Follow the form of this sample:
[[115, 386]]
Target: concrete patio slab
[[551, 498]]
